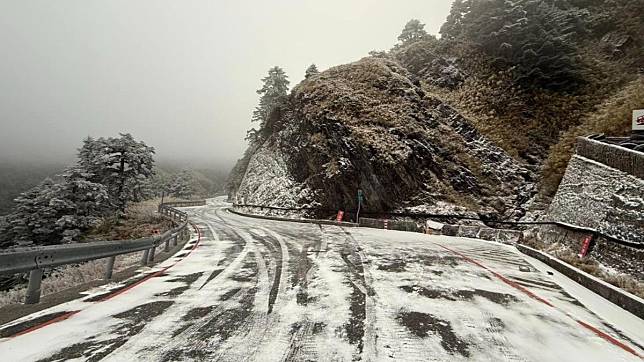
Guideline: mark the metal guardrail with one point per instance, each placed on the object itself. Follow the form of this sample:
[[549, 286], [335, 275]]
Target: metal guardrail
[[35, 259], [595, 233]]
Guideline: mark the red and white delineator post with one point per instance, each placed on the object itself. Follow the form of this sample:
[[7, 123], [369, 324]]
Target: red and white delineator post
[[585, 246]]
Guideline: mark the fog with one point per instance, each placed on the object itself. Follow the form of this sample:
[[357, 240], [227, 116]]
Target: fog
[[179, 75]]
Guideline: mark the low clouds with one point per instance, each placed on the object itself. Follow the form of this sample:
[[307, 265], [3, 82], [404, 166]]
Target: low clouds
[[180, 75]]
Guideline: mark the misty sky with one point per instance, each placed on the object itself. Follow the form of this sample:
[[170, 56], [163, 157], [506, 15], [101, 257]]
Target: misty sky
[[180, 75]]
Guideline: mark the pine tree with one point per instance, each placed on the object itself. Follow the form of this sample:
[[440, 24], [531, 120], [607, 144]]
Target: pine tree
[[182, 185], [122, 164], [273, 95], [81, 203], [414, 30], [533, 36], [311, 71], [51, 213], [453, 26]]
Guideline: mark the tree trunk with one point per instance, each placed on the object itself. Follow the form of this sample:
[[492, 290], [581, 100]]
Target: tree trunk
[[122, 201]]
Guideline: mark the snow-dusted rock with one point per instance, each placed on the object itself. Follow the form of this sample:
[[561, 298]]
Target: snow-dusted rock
[[369, 125], [268, 182]]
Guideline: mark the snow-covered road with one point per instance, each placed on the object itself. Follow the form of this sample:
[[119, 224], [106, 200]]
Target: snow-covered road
[[262, 290]]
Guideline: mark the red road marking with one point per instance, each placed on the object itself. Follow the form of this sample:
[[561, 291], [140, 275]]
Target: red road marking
[[155, 274], [44, 324], [112, 295], [501, 277], [608, 337], [513, 284]]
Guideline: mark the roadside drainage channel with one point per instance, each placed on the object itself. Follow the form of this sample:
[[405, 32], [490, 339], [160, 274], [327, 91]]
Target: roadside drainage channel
[[623, 299]]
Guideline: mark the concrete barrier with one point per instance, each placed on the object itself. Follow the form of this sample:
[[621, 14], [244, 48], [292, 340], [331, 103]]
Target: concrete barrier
[[401, 225], [372, 223], [304, 221], [625, 300], [623, 159], [510, 236], [505, 236], [450, 230], [488, 234], [468, 231]]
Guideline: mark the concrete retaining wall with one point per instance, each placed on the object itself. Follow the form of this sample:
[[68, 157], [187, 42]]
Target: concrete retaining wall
[[402, 225], [622, 258], [620, 158], [602, 190], [602, 198], [505, 236]]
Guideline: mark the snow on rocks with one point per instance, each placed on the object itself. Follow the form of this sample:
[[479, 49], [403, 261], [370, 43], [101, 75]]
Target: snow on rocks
[[268, 182]]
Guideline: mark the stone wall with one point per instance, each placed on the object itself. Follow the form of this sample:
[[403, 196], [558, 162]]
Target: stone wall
[[603, 191], [623, 159], [601, 197]]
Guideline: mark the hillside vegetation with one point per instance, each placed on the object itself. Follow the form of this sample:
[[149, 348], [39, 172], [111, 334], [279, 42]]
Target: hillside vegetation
[[482, 119]]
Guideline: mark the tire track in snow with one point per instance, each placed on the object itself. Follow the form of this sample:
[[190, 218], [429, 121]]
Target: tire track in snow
[[277, 255], [360, 327], [193, 300]]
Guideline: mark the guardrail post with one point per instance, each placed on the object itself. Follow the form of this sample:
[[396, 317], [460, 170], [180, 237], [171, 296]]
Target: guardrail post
[[152, 251], [174, 240], [167, 245], [109, 267], [33, 289], [144, 259]]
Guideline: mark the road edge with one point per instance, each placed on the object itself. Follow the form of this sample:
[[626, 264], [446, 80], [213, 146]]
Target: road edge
[[303, 221], [619, 297]]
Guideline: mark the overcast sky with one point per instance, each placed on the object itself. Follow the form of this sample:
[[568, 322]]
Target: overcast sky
[[179, 75]]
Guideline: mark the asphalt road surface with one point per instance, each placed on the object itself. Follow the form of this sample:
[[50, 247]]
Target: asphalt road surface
[[260, 290]]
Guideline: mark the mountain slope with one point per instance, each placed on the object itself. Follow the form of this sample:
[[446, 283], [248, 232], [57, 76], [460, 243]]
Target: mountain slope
[[369, 125]]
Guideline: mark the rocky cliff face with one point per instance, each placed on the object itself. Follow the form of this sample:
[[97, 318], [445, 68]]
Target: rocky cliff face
[[368, 125]]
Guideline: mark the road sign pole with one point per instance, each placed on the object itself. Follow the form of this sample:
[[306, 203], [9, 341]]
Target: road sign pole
[[360, 196], [358, 213]]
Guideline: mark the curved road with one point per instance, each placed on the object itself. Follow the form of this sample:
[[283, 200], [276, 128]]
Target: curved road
[[250, 289]]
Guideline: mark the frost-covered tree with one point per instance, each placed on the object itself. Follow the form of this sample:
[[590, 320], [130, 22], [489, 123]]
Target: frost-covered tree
[[453, 26], [311, 71], [51, 213], [532, 36], [414, 30], [273, 95], [122, 164], [81, 202], [182, 185]]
